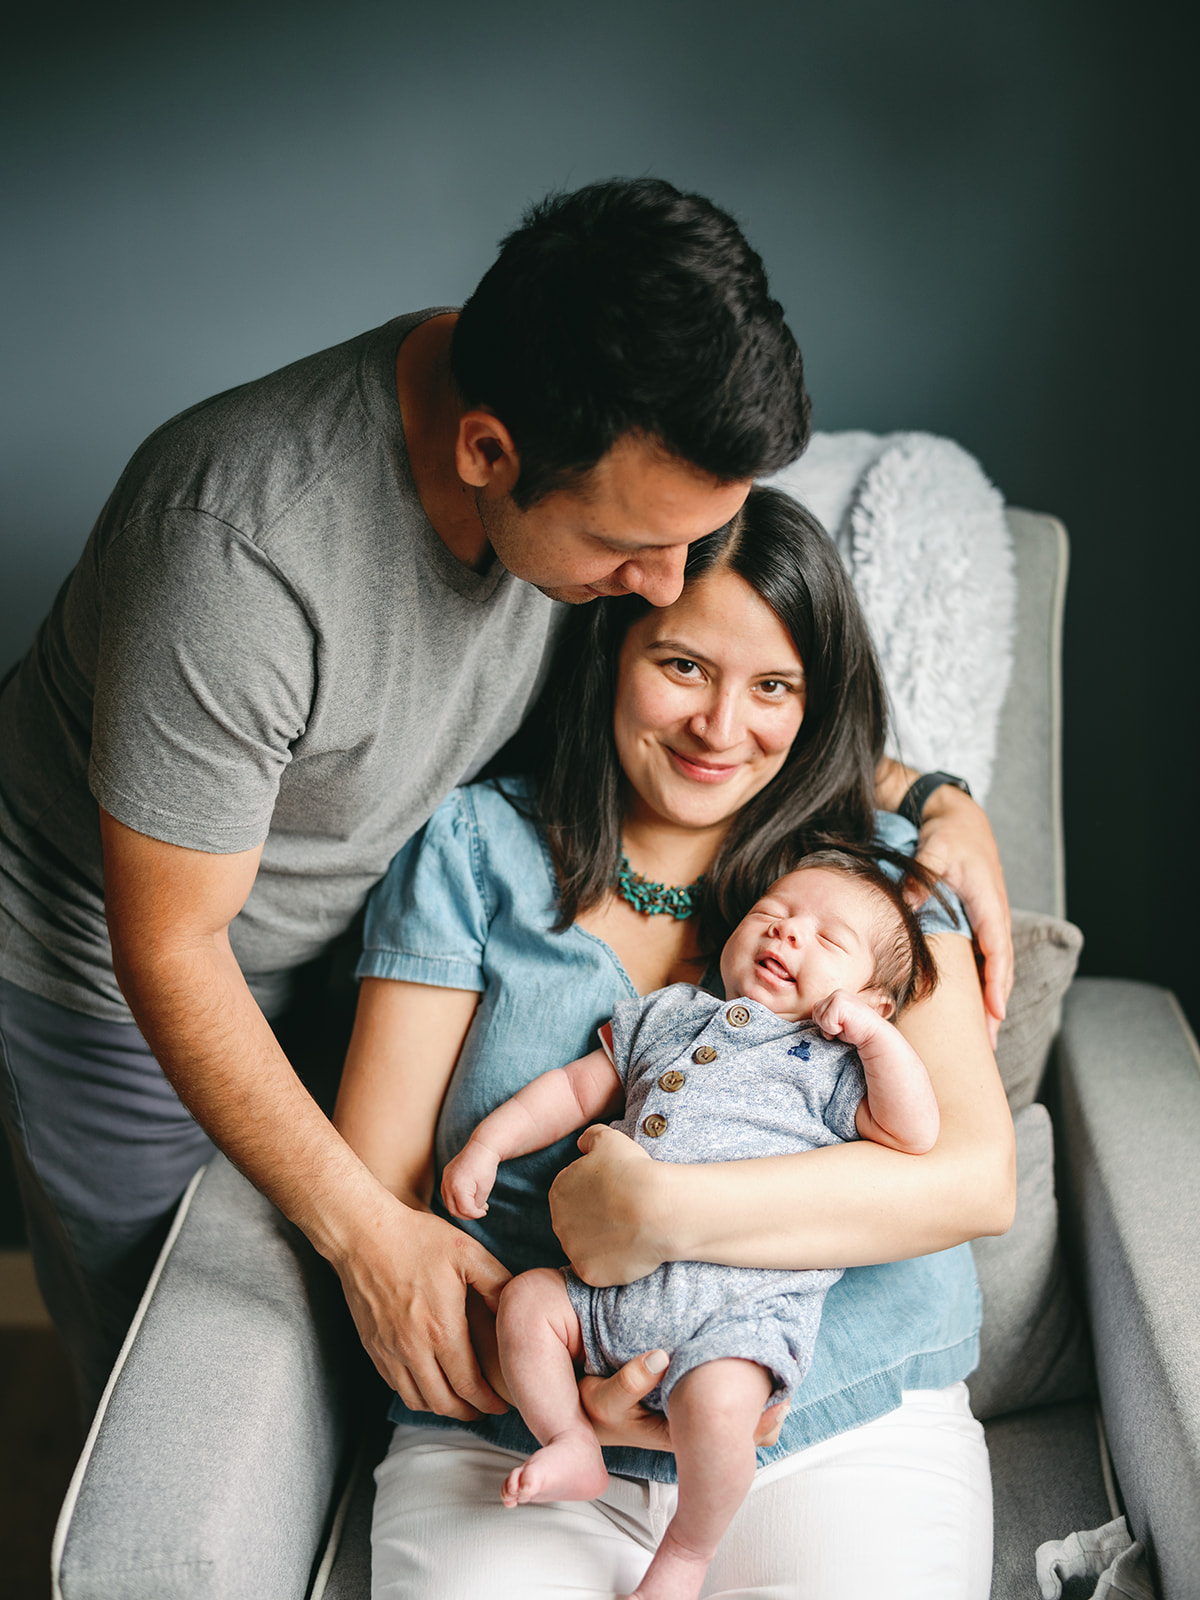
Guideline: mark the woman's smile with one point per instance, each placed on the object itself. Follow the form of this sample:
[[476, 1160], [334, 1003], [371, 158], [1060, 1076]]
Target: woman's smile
[[701, 771]]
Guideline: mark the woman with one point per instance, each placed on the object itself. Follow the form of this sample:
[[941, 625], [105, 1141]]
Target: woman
[[705, 746]]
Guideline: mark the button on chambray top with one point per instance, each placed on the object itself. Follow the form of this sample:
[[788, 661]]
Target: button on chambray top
[[469, 903]]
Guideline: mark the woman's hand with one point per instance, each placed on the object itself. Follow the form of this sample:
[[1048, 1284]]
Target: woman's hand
[[619, 1418], [608, 1209], [408, 1294], [957, 843]]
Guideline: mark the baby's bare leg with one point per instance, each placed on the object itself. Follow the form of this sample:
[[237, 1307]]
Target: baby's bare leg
[[538, 1334], [713, 1412]]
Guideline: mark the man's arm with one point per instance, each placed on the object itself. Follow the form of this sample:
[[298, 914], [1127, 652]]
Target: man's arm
[[169, 911], [956, 842]]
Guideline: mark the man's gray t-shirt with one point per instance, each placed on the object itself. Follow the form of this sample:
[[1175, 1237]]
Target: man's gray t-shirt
[[265, 639]]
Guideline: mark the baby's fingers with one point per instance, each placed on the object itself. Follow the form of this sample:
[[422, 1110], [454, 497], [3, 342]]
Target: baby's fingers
[[459, 1193], [829, 1014], [462, 1199]]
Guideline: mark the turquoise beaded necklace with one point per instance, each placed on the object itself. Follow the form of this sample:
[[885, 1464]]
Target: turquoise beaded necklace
[[657, 899]]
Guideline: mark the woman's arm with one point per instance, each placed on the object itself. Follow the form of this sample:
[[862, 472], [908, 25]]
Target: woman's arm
[[957, 844], [412, 1270], [620, 1214]]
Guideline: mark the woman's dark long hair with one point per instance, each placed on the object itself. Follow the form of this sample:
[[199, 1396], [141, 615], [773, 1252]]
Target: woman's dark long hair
[[823, 794]]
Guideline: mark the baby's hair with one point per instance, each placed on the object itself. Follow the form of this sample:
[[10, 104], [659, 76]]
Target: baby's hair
[[904, 965]]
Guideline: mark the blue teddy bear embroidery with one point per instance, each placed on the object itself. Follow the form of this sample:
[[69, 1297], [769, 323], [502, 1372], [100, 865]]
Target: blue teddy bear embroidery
[[800, 1050]]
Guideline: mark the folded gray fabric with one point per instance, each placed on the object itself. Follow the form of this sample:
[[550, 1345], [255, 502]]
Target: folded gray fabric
[[1108, 1553]]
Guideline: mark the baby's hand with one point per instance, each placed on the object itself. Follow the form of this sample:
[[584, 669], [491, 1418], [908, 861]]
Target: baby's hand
[[468, 1179], [842, 1015]]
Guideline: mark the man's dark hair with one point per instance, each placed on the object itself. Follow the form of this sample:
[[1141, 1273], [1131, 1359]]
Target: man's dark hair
[[904, 966], [823, 794], [630, 307]]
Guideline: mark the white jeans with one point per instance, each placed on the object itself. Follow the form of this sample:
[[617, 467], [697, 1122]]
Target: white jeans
[[901, 1507]]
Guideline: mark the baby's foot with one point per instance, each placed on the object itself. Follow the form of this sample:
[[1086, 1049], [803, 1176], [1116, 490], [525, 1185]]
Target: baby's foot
[[570, 1467]]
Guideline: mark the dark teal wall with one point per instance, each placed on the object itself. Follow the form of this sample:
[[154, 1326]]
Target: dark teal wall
[[973, 214]]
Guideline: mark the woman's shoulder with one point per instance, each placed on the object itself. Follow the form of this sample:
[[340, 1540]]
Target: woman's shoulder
[[478, 851], [501, 814], [494, 809], [508, 850]]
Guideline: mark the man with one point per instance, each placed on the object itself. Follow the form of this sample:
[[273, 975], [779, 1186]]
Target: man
[[298, 623]]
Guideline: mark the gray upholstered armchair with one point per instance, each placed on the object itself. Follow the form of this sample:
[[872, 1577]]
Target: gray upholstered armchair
[[231, 1458]]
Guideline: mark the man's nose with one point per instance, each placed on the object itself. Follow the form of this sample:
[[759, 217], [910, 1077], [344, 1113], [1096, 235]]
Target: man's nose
[[657, 575]]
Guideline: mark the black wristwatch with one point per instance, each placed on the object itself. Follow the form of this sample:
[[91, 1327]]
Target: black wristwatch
[[914, 802]]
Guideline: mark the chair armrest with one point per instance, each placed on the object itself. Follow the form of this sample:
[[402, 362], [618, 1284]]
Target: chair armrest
[[211, 1467], [1129, 1125]]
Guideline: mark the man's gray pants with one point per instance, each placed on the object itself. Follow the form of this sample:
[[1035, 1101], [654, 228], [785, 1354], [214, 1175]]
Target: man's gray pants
[[103, 1150]]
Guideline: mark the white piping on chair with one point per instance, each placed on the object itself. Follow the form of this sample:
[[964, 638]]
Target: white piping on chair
[[1106, 1467], [63, 1526], [1058, 606], [333, 1543]]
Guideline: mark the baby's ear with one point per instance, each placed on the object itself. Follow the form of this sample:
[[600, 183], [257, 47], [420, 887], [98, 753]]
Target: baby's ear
[[881, 1002]]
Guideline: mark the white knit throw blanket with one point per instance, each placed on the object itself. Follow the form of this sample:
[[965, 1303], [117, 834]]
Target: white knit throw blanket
[[923, 535]]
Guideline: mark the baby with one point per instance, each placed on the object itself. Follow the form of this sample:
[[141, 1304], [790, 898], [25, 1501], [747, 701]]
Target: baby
[[800, 1055]]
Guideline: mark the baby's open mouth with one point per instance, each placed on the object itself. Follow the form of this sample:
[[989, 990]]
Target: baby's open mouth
[[775, 968]]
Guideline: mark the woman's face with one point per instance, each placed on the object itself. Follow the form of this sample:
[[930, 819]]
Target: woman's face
[[710, 695]]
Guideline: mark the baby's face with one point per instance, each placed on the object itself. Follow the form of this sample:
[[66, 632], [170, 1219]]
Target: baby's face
[[811, 933]]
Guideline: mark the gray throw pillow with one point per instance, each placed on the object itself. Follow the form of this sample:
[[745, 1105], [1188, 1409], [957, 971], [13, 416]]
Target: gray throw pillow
[[1046, 951], [1033, 1346]]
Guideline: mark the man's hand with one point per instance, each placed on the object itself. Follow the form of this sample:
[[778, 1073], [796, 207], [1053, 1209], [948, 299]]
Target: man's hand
[[408, 1299], [615, 1407], [957, 843], [607, 1208], [468, 1179]]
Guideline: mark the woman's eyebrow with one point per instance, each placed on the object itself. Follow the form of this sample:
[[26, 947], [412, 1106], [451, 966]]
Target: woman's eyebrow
[[679, 647]]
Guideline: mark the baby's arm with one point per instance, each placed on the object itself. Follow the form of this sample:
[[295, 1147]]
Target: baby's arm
[[543, 1111], [900, 1109]]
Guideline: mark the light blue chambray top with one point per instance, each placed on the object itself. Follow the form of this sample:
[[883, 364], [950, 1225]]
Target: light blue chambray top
[[469, 903]]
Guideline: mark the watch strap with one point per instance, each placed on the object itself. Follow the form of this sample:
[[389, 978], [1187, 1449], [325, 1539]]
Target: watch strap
[[914, 802]]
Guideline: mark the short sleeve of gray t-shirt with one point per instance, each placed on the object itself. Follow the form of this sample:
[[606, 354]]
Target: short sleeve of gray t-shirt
[[265, 642], [206, 671]]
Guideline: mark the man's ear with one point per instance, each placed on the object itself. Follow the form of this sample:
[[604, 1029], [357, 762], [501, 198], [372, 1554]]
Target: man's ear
[[484, 453], [878, 1001]]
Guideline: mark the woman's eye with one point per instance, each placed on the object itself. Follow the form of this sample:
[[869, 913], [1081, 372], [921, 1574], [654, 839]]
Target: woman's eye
[[774, 688], [684, 667]]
